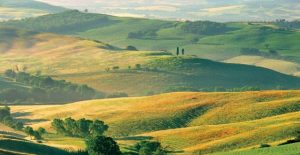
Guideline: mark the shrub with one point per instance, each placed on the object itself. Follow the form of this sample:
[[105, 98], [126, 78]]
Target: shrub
[[264, 145], [131, 48], [138, 66], [149, 148], [101, 145]]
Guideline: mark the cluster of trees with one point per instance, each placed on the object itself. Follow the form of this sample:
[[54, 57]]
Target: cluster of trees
[[257, 52], [92, 131], [114, 68], [149, 148], [45, 89], [204, 27], [7, 119], [36, 134], [79, 128], [288, 24], [143, 34]]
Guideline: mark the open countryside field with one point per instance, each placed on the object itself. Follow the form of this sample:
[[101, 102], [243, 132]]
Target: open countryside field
[[157, 35], [190, 122], [86, 61]]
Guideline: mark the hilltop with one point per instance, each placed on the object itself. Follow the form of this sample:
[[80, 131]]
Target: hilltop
[[217, 41], [18, 9], [111, 69], [190, 122]]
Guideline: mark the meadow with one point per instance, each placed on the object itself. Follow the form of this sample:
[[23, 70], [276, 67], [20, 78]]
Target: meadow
[[159, 35], [185, 122]]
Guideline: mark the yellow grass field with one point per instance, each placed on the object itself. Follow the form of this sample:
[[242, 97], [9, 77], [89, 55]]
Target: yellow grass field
[[206, 122], [282, 66]]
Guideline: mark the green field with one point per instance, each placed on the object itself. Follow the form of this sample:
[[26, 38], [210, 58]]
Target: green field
[[291, 149], [85, 61], [158, 35]]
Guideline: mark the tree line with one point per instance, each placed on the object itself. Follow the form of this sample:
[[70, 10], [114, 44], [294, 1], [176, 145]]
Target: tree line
[[45, 89], [7, 119], [204, 27]]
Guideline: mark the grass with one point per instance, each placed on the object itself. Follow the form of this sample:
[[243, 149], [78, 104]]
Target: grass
[[190, 122], [291, 149], [84, 61], [170, 35]]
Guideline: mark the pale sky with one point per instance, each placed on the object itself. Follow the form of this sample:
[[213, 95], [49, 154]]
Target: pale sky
[[217, 10]]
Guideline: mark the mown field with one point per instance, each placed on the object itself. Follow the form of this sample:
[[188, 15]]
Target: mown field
[[185, 122]]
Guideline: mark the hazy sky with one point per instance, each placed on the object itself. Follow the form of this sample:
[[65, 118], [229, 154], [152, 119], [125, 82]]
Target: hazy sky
[[218, 10]]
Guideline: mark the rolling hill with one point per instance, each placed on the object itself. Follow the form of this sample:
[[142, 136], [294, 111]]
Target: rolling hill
[[111, 69], [18, 9], [189, 122], [216, 41]]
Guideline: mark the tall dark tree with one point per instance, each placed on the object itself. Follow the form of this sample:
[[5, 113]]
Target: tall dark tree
[[177, 52], [183, 51]]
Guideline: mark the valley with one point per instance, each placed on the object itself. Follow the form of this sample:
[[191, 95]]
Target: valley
[[77, 83]]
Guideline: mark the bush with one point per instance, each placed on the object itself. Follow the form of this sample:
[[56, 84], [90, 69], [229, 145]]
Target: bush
[[264, 145], [131, 48], [149, 148], [101, 145]]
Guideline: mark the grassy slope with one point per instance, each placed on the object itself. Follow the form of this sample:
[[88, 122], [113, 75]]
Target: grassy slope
[[16, 9], [291, 149], [207, 122], [277, 65], [84, 61], [115, 31]]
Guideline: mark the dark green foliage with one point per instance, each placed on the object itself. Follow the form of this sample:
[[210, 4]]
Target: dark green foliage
[[79, 128], [138, 66], [143, 34], [205, 28], [41, 131], [131, 48], [7, 119], [10, 73], [117, 95], [149, 148], [45, 89], [29, 131], [264, 145], [288, 24], [116, 68], [101, 145]]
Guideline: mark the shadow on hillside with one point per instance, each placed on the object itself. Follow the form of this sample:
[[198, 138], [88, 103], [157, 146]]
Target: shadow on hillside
[[135, 138], [17, 115]]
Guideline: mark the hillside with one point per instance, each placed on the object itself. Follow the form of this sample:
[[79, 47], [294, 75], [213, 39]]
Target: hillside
[[18, 9], [206, 122], [111, 69], [216, 41]]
